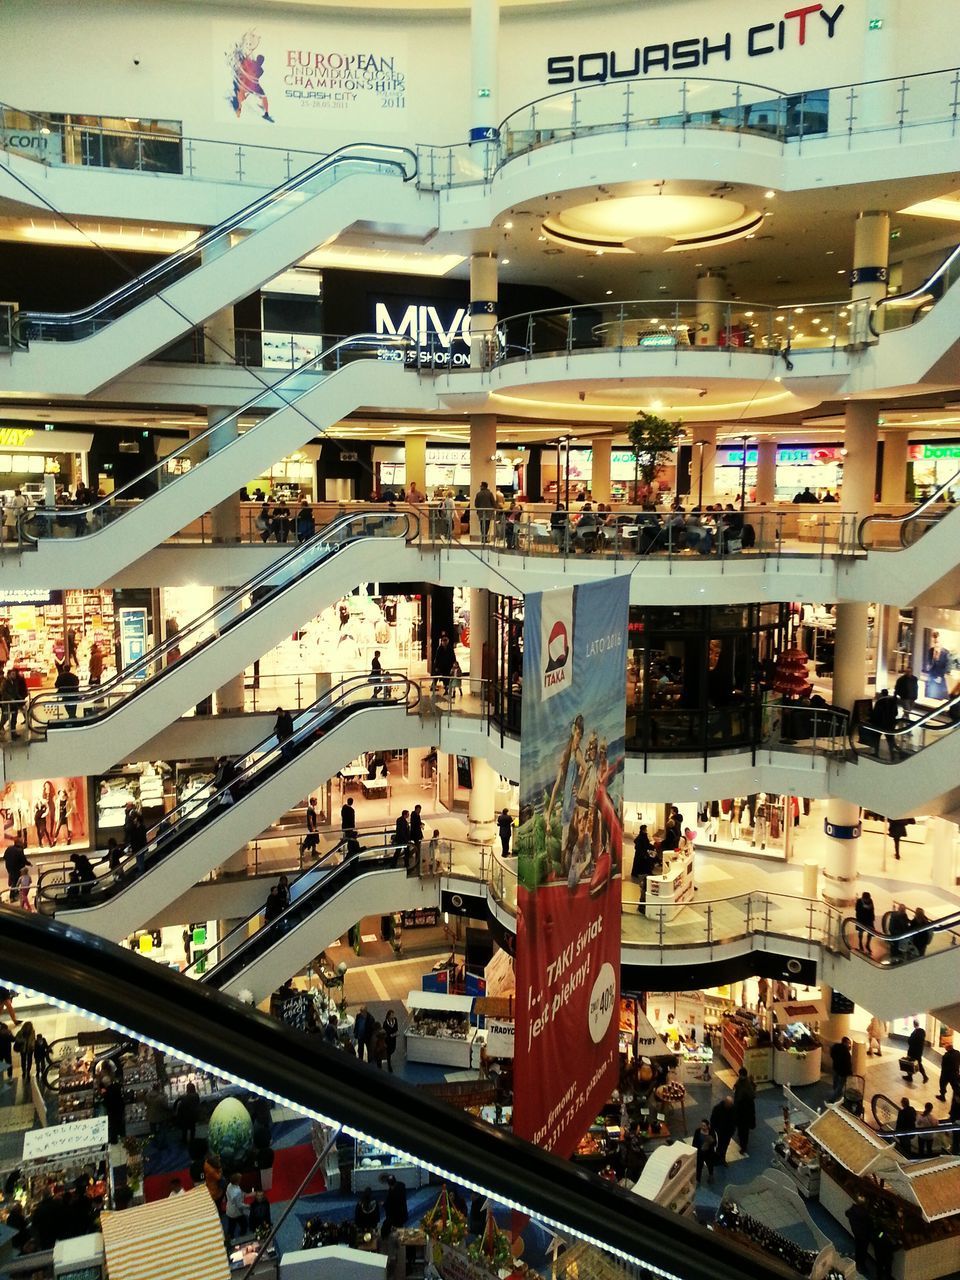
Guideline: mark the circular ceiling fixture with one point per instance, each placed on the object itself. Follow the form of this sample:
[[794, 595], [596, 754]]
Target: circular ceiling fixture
[[651, 224]]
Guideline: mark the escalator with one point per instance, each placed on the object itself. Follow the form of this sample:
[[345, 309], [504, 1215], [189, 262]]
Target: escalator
[[895, 533], [111, 720], [86, 546], [194, 1022], [77, 352], [205, 830], [900, 310]]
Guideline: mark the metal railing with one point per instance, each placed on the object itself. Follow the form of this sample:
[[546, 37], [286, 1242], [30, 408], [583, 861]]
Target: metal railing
[[194, 815], [262, 212], [79, 521], [883, 948], [911, 525], [900, 310], [57, 710]]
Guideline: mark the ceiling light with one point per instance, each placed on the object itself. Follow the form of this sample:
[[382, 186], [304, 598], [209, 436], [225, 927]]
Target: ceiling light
[[841, 272], [780, 319], [504, 262], [400, 261], [609, 291], [798, 311], [769, 195], [748, 314], [542, 239], [656, 404], [830, 253], [768, 214], [508, 226]]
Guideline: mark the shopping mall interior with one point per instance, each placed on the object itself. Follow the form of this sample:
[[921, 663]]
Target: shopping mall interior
[[560, 722]]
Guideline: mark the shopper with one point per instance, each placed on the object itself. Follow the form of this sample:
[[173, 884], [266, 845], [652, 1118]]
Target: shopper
[[723, 1122], [861, 1228], [485, 503], [401, 835], [886, 1242], [456, 681], [235, 1208], [348, 816], [391, 1030], [949, 1073], [186, 1113], [262, 522], [360, 1030], [24, 885], [14, 860], [921, 940], [14, 698], [25, 1042], [41, 1057], [306, 525], [907, 690], [644, 864], [763, 993], [906, 1123], [896, 830], [505, 828], [705, 1143], [273, 907], [395, 1212], [915, 1046], [280, 520], [378, 1045], [311, 840], [443, 660], [376, 674], [842, 1059], [284, 731], [866, 914], [431, 858], [876, 1033], [367, 1213], [213, 1177], [926, 1120], [258, 1217], [883, 721], [416, 832], [744, 1104], [898, 924]]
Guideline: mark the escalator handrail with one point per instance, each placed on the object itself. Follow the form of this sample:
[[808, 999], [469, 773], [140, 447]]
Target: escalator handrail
[[908, 516], [894, 1135], [204, 953], [156, 1005], [84, 513], [154, 657], [942, 924], [264, 755], [403, 159], [929, 720], [918, 292], [374, 858]]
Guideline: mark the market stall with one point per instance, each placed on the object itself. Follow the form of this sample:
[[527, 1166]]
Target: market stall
[[60, 1154], [745, 1043], [669, 1178], [668, 891], [373, 1165], [795, 1155], [440, 1030], [179, 1238], [797, 1050]]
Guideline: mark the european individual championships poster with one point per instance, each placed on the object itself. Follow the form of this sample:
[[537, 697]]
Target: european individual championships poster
[[569, 849]]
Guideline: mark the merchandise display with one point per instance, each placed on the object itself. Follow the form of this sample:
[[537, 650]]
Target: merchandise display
[[745, 1043], [372, 1166], [61, 1155], [40, 625], [138, 784], [440, 1030], [796, 1155], [797, 1050], [46, 812], [674, 886]]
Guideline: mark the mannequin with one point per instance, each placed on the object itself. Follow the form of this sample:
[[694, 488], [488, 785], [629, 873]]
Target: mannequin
[[761, 822], [735, 816]]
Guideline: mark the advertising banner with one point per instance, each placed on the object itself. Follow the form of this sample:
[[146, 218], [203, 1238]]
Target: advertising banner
[[298, 75], [569, 849]]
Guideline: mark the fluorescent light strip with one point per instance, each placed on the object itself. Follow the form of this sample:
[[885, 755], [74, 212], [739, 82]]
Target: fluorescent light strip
[[330, 1123]]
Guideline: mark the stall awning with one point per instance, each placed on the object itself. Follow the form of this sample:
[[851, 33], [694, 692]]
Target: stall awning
[[175, 1239], [851, 1143]]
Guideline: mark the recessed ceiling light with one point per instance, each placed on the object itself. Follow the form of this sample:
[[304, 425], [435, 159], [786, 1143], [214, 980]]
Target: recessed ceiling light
[[840, 272], [504, 262], [609, 291], [830, 253], [769, 195], [768, 214], [748, 314], [663, 288], [778, 318], [542, 238], [508, 226], [798, 311]]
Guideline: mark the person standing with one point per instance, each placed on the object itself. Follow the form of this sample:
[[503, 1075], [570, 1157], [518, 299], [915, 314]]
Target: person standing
[[842, 1059], [416, 832], [866, 914], [430, 860], [395, 1212], [366, 1216], [284, 731], [443, 662], [907, 690], [505, 828], [14, 859], [360, 1030], [644, 862], [922, 939], [906, 1124], [705, 1144], [883, 719], [763, 993], [14, 697], [926, 1120], [348, 817], [137, 840], [897, 830], [745, 1107], [306, 525], [25, 884], [949, 1073], [311, 841], [391, 1031], [95, 665], [376, 674], [235, 1207], [861, 1228], [723, 1122], [915, 1046], [485, 503], [378, 1046], [401, 835], [876, 1032], [898, 925]]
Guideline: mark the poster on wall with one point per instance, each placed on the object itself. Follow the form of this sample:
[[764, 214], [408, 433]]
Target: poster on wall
[[44, 813], [302, 75], [569, 849]]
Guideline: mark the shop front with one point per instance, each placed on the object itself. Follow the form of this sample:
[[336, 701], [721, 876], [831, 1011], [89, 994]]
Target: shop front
[[50, 628], [815, 467], [46, 813], [447, 467], [932, 464], [28, 455]]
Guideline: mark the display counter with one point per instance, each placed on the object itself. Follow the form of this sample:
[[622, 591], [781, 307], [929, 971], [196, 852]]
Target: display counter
[[797, 1066], [796, 1156], [440, 1031], [669, 1178], [797, 1051], [372, 1166], [695, 1063], [672, 888], [741, 1047]]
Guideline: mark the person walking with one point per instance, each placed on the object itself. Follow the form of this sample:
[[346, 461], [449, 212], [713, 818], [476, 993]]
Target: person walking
[[723, 1122], [284, 731], [915, 1046], [745, 1108], [896, 830], [921, 940], [360, 1030], [391, 1031], [416, 831], [898, 925], [235, 1207], [705, 1145], [485, 503], [311, 841], [443, 663], [949, 1073], [866, 915], [348, 816], [505, 828], [14, 698], [876, 1033], [25, 884], [376, 674], [431, 858], [378, 1046], [842, 1059], [14, 860], [137, 840]]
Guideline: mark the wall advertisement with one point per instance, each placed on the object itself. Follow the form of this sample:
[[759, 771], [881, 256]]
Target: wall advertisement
[[303, 75], [569, 857]]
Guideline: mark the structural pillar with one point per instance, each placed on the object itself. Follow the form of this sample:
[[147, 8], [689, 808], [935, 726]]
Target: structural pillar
[[415, 461], [600, 476], [766, 471], [479, 636], [833, 1026], [483, 460], [944, 852], [229, 695], [219, 331], [711, 290], [703, 463], [893, 484], [888, 632], [480, 812], [483, 310], [484, 71], [869, 277], [225, 516]]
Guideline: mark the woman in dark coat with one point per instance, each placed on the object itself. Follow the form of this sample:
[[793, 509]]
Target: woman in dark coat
[[745, 1108]]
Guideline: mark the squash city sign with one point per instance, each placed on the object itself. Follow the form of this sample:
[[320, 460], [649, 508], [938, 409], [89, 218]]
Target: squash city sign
[[807, 25]]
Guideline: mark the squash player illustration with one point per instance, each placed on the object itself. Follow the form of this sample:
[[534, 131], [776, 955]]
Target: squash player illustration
[[246, 71]]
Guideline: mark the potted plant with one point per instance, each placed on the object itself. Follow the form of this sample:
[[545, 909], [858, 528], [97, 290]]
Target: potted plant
[[652, 440]]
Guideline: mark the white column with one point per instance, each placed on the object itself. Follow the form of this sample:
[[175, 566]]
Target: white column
[[766, 471], [226, 514], [484, 70], [869, 277], [893, 484], [479, 635], [219, 335], [483, 466], [480, 813], [229, 695], [600, 475], [483, 309], [415, 461], [860, 458], [943, 836], [711, 289], [703, 463], [888, 629]]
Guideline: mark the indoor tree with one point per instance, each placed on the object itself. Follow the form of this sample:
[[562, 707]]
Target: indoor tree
[[652, 439]]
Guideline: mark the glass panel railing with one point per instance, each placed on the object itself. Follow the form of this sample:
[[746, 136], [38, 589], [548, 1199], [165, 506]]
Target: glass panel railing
[[900, 939], [263, 212], [893, 532], [60, 709], [911, 734], [79, 521], [146, 849], [900, 310]]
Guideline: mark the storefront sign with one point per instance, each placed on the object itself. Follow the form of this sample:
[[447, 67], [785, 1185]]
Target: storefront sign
[[807, 26], [931, 452], [133, 636], [305, 75], [796, 455], [500, 1039], [30, 595], [441, 333], [31, 440], [569, 858]]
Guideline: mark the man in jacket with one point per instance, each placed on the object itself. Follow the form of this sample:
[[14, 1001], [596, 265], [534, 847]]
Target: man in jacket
[[883, 718], [949, 1073], [842, 1059], [284, 731], [14, 697], [360, 1030], [443, 660], [416, 832], [401, 836], [485, 503], [915, 1046], [906, 1123], [723, 1122]]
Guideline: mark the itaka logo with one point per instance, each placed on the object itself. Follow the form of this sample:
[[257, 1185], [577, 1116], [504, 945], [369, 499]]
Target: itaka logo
[[558, 648]]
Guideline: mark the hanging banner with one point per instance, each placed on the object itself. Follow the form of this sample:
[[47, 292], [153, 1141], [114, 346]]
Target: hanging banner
[[569, 856]]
